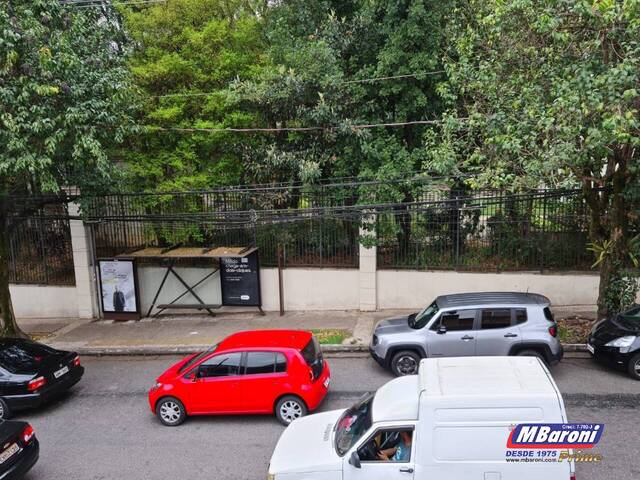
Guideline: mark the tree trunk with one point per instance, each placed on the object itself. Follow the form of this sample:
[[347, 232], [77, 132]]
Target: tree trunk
[[9, 325], [609, 221]]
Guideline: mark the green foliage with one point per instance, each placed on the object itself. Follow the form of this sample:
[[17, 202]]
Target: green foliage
[[315, 47], [65, 101], [187, 52], [64, 92], [546, 94], [622, 292]]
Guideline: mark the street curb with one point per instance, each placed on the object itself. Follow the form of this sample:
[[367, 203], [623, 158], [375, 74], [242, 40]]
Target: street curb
[[575, 347], [149, 350]]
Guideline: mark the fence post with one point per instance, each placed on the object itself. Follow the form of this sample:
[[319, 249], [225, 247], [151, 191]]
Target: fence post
[[367, 267], [82, 266]]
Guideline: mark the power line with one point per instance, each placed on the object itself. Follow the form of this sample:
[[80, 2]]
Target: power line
[[293, 129], [392, 77], [346, 82], [81, 4]]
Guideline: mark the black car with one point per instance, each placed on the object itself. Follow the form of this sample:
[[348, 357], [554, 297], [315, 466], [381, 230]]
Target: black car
[[19, 449], [617, 341], [32, 373]]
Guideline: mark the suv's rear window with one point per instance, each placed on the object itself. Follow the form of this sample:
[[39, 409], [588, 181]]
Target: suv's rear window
[[548, 314], [495, 318], [521, 315], [312, 355]]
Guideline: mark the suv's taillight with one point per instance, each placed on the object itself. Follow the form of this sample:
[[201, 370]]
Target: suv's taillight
[[36, 383], [27, 434], [553, 330], [572, 476]]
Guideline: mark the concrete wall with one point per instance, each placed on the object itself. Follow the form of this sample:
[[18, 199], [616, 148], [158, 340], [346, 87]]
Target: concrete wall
[[413, 289], [304, 288], [43, 301], [323, 289], [311, 289]]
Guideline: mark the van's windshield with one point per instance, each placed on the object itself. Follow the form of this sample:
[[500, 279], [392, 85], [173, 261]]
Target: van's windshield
[[422, 318], [353, 424]]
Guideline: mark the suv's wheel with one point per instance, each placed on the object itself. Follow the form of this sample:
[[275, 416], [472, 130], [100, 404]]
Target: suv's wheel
[[405, 362], [532, 353], [170, 411], [289, 408], [634, 366]]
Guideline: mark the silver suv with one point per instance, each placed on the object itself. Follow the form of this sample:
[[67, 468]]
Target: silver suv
[[468, 324]]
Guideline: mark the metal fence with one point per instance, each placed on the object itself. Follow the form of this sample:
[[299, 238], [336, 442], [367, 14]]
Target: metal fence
[[491, 231], [419, 225], [310, 243], [41, 252]]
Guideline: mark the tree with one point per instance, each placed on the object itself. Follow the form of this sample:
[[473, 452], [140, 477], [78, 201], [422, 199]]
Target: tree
[[546, 93], [323, 55], [66, 100], [186, 54]]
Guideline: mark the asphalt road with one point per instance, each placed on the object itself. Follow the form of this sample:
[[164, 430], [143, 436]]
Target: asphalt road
[[104, 430]]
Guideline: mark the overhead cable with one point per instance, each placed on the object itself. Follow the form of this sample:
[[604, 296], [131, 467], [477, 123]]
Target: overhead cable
[[292, 129]]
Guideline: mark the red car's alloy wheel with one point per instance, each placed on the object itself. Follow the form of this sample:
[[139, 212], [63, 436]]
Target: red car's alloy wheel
[[290, 408], [170, 411]]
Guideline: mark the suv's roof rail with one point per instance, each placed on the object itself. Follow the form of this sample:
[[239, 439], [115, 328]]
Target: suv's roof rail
[[487, 298]]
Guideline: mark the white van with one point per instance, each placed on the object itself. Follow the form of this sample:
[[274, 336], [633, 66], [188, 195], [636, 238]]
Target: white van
[[449, 422]]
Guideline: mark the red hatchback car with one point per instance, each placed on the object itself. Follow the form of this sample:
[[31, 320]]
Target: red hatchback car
[[260, 371]]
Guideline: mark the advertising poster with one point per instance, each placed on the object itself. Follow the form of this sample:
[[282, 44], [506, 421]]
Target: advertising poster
[[240, 280], [118, 283]]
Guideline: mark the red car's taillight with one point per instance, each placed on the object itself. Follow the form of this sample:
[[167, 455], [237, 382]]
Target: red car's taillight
[[76, 361], [27, 434], [36, 383], [553, 330]]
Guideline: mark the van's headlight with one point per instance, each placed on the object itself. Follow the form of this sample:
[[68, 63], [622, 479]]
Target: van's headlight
[[623, 343]]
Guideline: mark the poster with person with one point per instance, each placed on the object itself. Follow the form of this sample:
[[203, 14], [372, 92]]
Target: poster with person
[[117, 280]]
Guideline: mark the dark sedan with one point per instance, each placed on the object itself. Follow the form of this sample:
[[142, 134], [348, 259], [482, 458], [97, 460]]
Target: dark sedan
[[32, 374], [617, 341], [19, 449]]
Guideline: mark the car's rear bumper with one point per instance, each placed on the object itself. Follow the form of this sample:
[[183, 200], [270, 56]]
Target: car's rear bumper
[[45, 394], [314, 394], [557, 356], [24, 461]]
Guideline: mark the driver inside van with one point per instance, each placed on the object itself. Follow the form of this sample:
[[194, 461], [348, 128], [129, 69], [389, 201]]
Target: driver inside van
[[401, 452]]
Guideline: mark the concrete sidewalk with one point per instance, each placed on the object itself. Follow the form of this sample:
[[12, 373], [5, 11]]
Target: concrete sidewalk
[[182, 334]]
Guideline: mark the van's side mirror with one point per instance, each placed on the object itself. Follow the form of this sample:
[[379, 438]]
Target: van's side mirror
[[442, 329], [354, 459]]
